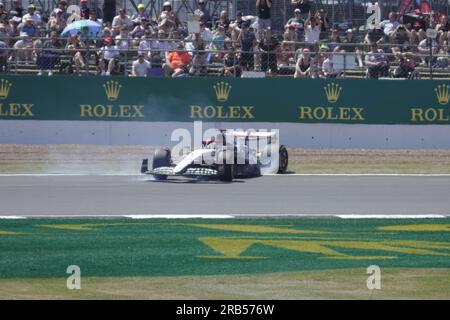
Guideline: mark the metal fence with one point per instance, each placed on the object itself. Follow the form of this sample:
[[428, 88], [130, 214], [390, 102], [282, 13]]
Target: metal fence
[[349, 60]]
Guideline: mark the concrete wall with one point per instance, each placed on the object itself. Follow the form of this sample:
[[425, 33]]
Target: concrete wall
[[159, 133]]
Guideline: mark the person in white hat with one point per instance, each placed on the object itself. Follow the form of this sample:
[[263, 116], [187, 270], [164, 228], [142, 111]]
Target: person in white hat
[[168, 19]]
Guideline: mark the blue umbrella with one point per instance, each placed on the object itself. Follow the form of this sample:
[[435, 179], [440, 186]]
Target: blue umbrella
[[85, 27]]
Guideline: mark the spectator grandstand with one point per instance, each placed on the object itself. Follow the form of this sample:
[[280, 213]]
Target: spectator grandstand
[[234, 38]]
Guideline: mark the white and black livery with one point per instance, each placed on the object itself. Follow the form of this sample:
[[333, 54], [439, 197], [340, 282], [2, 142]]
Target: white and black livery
[[229, 155]]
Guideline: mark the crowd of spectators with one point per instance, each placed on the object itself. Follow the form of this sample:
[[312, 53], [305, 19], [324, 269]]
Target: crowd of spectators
[[308, 46]]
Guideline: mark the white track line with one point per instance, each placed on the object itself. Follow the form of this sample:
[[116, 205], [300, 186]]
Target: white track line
[[179, 216], [393, 216], [12, 217]]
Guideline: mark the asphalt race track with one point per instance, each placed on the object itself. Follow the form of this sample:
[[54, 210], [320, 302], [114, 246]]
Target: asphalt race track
[[270, 195]]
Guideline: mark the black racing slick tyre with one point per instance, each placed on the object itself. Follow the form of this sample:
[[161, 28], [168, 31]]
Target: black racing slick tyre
[[161, 158], [283, 160], [225, 171]]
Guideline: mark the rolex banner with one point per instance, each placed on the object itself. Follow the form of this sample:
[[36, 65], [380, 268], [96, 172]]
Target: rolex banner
[[221, 99]]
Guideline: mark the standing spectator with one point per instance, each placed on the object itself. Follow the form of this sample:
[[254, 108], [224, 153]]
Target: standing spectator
[[177, 62], [389, 25], [268, 46], [236, 26], [322, 17], [329, 70], [108, 57], [303, 65], [140, 67], [297, 25], [303, 6], [264, 18], [120, 21], [5, 34], [312, 30], [57, 23], [3, 13], [400, 39], [231, 65], [376, 62], [247, 41], [334, 41], [62, 6], [37, 20], [223, 21], [16, 10], [141, 14], [168, 19], [84, 9], [203, 12], [50, 54], [196, 47]]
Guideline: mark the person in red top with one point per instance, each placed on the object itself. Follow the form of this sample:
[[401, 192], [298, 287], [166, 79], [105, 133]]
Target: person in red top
[[176, 61]]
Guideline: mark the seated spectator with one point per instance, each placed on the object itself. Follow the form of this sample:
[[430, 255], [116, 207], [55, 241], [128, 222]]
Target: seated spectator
[[312, 30], [36, 18], [13, 26], [140, 67], [163, 46], [329, 70], [247, 42], [223, 21], [23, 48], [442, 27], [168, 19], [348, 44], [303, 65], [218, 42], [139, 30], [285, 55], [177, 62], [49, 56], [76, 50], [28, 27], [4, 52], [141, 14], [297, 25], [84, 9], [406, 66], [108, 56], [196, 47], [268, 46], [424, 50], [123, 42], [231, 66], [374, 35], [334, 41], [376, 62], [5, 35], [120, 21], [400, 39], [389, 25], [147, 44], [203, 12]]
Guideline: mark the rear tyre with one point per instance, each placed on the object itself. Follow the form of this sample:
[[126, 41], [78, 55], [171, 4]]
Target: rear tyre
[[225, 171], [161, 158], [283, 160]]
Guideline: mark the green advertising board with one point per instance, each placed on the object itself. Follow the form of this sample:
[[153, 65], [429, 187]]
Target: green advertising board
[[220, 99]]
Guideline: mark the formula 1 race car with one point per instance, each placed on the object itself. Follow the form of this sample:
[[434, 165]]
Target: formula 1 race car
[[229, 155]]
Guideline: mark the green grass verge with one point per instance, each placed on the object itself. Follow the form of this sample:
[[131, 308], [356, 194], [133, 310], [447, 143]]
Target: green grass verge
[[396, 283]]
